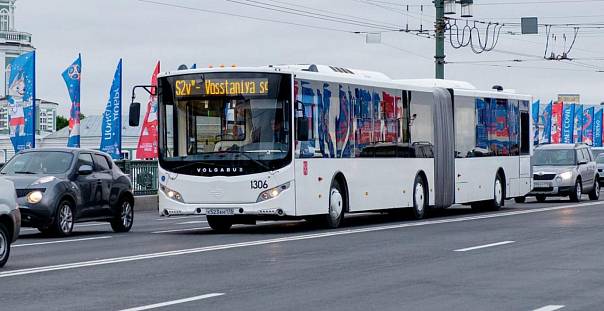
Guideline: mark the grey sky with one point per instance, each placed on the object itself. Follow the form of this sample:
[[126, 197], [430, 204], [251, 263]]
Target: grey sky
[[142, 33]]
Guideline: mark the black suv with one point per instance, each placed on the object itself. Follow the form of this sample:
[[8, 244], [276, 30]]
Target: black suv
[[60, 186]]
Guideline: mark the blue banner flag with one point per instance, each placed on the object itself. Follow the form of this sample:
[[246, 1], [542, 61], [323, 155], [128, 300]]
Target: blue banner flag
[[588, 116], [535, 115], [72, 76], [568, 120], [21, 98], [546, 120], [598, 128], [578, 124], [111, 135]]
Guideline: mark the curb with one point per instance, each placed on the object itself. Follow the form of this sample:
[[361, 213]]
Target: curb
[[146, 203]]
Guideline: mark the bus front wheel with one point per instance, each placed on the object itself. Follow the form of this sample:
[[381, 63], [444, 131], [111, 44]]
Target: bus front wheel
[[336, 206], [220, 224]]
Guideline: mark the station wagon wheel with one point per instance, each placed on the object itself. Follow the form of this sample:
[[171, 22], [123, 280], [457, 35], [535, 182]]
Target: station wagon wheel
[[4, 245], [594, 195], [124, 217], [576, 192]]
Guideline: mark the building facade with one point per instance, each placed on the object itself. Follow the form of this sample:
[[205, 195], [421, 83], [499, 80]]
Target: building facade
[[12, 42]]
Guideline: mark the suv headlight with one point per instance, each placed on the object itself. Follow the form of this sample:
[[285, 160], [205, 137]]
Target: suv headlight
[[272, 193], [34, 197], [172, 194], [566, 175]]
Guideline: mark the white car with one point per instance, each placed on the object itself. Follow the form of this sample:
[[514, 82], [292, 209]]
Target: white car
[[10, 219]]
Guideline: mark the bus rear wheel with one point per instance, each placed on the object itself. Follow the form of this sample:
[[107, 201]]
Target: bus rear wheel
[[420, 199], [220, 224]]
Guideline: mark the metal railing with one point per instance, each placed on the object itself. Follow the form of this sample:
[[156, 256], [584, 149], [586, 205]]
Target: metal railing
[[15, 36], [143, 175]]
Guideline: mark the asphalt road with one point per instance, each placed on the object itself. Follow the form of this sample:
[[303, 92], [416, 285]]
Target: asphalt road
[[524, 257]]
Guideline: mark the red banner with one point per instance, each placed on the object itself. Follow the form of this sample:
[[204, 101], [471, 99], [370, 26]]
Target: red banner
[[147, 142], [556, 122]]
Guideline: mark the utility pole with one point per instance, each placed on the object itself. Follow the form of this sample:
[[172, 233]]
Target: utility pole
[[439, 28]]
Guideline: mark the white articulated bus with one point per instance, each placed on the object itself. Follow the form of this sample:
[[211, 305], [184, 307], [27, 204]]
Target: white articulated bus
[[316, 142]]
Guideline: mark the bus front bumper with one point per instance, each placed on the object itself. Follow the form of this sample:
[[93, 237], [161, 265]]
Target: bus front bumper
[[282, 205]]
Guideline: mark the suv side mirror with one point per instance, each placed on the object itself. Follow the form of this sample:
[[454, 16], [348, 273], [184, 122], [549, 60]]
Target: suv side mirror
[[582, 162], [134, 114], [85, 170]]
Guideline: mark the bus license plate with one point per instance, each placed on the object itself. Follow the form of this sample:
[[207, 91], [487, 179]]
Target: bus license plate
[[219, 211]]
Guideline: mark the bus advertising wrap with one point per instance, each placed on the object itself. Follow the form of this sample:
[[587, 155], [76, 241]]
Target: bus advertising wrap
[[568, 120], [21, 94], [111, 136], [556, 125], [72, 75], [598, 127], [588, 116]]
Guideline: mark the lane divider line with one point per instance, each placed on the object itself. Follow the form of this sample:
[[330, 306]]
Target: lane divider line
[[193, 222], [550, 308], [483, 246], [173, 302], [114, 260], [62, 241], [179, 230]]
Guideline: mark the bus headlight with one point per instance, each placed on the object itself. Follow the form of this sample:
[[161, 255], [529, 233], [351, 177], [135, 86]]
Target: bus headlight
[[34, 197], [272, 193], [172, 194]]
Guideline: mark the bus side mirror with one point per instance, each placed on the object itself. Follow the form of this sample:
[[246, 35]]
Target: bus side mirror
[[302, 129], [134, 114]]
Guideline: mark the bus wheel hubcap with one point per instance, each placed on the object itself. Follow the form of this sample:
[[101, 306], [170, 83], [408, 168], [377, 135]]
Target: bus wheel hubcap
[[419, 197], [498, 192], [336, 203]]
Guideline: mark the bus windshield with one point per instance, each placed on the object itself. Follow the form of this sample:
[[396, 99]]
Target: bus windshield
[[213, 122]]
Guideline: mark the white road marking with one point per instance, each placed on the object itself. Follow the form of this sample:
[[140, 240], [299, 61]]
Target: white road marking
[[75, 226], [178, 217], [483, 246], [192, 222], [174, 302], [550, 308], [114, 260], [62, 241], [180, 230]]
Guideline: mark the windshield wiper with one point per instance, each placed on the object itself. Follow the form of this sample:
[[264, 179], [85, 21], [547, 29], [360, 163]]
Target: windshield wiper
[[247, 156], [25, 172]]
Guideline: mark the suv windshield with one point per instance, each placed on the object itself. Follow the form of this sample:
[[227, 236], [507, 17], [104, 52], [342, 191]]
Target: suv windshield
[[39, 162], [600, 160], [211, 122], [554, 157]]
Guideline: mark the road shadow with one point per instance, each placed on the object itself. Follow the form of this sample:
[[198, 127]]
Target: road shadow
[[29, 234]]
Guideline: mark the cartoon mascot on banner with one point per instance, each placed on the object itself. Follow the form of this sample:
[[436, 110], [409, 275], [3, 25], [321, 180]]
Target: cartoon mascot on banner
[[16, 91]]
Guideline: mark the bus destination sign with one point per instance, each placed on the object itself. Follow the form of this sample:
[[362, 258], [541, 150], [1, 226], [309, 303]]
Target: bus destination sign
[[225, 87]]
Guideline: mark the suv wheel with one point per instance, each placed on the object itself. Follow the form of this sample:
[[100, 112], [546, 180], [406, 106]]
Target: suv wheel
[[63, 223], [577, 191], [594, 195], [124, 220]]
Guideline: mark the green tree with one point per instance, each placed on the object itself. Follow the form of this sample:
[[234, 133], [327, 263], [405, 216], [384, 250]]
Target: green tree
[[62, 122]]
